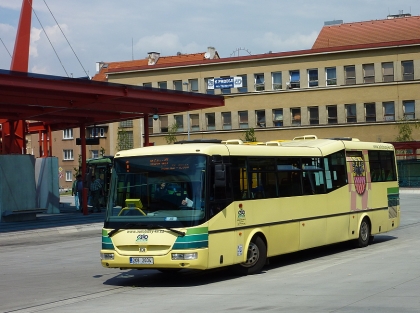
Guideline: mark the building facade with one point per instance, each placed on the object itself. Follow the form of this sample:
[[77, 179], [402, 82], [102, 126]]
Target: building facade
[[358, 80]]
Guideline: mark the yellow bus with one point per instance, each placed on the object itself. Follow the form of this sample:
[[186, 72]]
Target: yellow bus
[[208, 204]]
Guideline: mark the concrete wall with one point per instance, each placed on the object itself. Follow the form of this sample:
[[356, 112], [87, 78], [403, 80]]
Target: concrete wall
[[17, 183], [46, 178]]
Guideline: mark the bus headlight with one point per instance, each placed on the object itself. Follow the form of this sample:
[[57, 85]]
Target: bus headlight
[[184, 256], [107, 256]]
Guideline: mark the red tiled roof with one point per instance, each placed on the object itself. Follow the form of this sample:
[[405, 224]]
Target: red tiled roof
[[161, 62], [369, 32]]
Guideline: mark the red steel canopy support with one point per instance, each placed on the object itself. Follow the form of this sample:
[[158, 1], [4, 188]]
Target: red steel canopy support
[[13, 131]]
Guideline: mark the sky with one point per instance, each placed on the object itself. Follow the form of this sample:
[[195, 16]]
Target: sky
[[119, 30]]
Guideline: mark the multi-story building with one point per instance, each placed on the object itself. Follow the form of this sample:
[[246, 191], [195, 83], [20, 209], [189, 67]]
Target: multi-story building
[[358, 80]]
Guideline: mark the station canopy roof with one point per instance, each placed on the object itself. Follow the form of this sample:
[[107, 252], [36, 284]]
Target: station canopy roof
[[63, 102]]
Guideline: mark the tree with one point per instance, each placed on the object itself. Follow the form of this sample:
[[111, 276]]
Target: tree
[[250, 135], [123, 140], [102, 151], [405, 129], [170, 137]]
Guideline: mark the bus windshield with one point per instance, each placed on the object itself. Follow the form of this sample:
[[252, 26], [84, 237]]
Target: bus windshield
[[157, 190]]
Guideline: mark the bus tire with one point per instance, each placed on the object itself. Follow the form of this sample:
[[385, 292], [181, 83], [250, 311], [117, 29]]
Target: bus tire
[[255, 259], [364, 234]]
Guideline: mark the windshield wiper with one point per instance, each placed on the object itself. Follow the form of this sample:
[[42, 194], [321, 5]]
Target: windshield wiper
[[149, 226], [116, 230], [181, 233]]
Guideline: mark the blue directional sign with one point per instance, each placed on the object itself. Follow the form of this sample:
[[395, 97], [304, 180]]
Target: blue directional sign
[[224, 82]]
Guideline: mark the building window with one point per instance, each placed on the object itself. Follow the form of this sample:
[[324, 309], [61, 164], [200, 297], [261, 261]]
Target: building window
[[95, 154], [276, 80], [209, 91], [163, 85], [69, 176], [148, 85], [332, 114], [179, 121], [195, 122], [98, 132], [407, 70], [278, 117], [370, 112], [296, 119], [259, 82], [125, 124], [331, 75], [193, 83], [294, 79], [349, 75], [178, 85], [389, 111], [125, 140], [368, 73], [210, 121], [243, 119], [68, 154], [163, 124], [351, 113], [313, 116], [260, 118], [225, 91], [150, 119], [313, 78], [68, 133], [388, 72], [226, 120], [244, 87], [408, 107]]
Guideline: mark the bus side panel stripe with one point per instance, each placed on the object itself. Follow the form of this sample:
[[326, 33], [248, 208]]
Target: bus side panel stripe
[[190, 245]]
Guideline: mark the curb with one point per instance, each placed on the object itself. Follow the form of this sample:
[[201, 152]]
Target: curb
[[51, 231]]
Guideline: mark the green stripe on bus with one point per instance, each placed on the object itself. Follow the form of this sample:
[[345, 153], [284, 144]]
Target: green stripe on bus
[[191, 238], [191, 245], [393, 190], [199, 230], [107, 246]]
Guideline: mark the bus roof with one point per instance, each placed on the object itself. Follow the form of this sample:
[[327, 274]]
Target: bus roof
[[312, 147]]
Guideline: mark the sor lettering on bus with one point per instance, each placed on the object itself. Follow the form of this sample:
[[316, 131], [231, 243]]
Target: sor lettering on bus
[[142, 237], [241, 220]]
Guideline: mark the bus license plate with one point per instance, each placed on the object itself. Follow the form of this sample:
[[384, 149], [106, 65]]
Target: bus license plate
[[141, 260]]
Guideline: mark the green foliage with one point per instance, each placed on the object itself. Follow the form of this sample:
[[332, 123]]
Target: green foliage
[[250, 135], [405, 129], [102, 151], [123, 140], [170, 137]]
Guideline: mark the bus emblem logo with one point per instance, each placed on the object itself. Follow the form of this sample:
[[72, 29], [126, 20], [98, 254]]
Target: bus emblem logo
[[359, 176], [142, 237], [241, 213]]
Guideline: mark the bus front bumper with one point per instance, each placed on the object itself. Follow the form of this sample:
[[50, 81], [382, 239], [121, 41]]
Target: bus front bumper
[[176, 259]]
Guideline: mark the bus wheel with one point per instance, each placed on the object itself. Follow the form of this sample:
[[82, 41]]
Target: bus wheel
[[364, 234], [255, 259]]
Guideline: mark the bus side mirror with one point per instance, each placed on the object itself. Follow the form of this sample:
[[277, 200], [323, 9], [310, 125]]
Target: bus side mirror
[[219, 175]]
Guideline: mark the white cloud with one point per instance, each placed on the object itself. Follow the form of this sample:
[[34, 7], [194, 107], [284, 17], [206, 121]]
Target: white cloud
[[278, 43], [40, 69], [35, 37]]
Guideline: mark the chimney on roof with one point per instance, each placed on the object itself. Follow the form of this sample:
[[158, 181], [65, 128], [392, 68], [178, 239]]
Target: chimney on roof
[[153, 58], [100, 65], [211, 52]]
